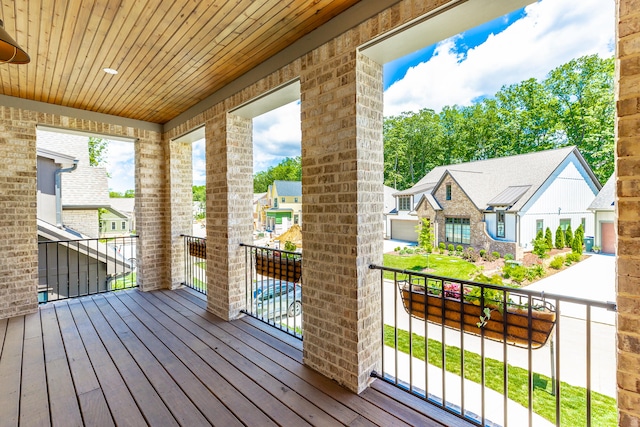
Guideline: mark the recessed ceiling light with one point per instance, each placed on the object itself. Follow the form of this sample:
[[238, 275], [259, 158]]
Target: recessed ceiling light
[[110, 71]]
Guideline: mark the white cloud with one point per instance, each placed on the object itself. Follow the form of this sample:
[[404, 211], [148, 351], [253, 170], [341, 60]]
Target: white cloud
[[276, 135], [551, 33], [120, 166]]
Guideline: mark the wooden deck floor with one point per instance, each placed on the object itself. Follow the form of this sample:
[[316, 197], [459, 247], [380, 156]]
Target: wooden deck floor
[[132, 358]]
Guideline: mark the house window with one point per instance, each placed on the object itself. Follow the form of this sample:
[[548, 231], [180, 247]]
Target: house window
[[275, 203], [113, 225], [295, 200], [539, 225], [124, 225], [282, 200], [102, 225], [448, 188], [583, 221], [500, 224], [404, 203], [564, 224], [295, 219], [458, 230]]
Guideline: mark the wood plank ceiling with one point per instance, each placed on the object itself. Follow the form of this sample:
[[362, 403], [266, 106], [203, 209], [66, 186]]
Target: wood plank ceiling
[[169, 54]]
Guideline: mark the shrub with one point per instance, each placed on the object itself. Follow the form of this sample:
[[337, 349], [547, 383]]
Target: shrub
[[459, 248], [574, 257], [568, 237], [509, 257], [557, 262], [441, 246], [540, 248], [289, 246], [578, 240], [534, 272], [450, 248], [539, 235], [548, 237], [397, 249], [514, 272], [470, 255], [495, 254], [482, 253], [458, 253], [559, 243], [495, 279]]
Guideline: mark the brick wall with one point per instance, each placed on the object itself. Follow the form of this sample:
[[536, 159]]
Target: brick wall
[[628, 208], [179, 165], [342, 167], [18, 184], [19, 260], [229, 211], [83, 220]]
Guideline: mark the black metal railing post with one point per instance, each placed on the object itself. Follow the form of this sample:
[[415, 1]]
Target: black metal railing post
[[195, 263]]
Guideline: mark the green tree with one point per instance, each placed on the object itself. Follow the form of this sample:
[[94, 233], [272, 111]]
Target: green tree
[[578, 240], [129, 194], [548, 237], [289, 169], [98, 149], [199, 193], [540, 247], [539, 235], [116, 194], [559, 243], [425, 235], [568, 237]]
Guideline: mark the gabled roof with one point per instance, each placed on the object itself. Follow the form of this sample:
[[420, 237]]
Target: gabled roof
[[432, 201], [498, 179], [288, 188], [605, 200]]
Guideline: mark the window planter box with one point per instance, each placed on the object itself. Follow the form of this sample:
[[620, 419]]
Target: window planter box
[[464, 315], [281, 268], [198, 249]]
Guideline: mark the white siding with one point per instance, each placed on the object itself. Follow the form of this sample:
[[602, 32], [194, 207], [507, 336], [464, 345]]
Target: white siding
[[490, 220], [566, 195], [509, 226]]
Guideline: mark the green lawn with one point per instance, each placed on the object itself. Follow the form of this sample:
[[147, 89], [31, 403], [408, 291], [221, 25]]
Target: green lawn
[[128, 281], [572, 401], [439, 265]]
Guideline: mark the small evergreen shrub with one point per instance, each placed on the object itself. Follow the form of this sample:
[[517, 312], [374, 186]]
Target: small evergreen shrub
[[557, 262], [459, 248], [568, 237], [495, 254], [509, 257], [441, 246], [574, 257], [549, 238], [482, 253], [450, 248], [559, 243]]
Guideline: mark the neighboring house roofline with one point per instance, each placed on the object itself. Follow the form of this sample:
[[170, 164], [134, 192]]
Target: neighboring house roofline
[[57, 157], [431, 200]]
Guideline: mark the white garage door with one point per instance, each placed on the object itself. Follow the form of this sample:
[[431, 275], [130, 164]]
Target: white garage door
[[404, 230]]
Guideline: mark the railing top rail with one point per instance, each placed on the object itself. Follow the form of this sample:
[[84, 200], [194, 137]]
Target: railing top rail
[[609, 305], [271, 249], [193, 237], [99, 239]]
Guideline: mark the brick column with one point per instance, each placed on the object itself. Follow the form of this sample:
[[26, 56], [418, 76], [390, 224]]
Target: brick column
[[342, 176], [179, 161], [18, 226], [628, 211], [229, 214], [152, 207]]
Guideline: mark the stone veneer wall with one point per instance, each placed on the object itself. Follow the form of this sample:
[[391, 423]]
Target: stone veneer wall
[[82, 220], [628, 211], [18, 226]]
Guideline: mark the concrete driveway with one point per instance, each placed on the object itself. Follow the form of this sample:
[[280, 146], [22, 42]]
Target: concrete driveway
[[593, 279]]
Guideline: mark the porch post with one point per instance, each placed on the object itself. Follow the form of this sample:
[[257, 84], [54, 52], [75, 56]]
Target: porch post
[[180, 205], [229, 217], [18, 226], [628, 208], [342, 176]]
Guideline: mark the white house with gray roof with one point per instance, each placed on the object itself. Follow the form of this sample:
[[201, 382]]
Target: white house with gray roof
[[603, 208], [500, 204]]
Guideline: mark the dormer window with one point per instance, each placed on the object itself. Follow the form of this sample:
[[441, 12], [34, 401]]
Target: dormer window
[[448, 189], [404, 203]]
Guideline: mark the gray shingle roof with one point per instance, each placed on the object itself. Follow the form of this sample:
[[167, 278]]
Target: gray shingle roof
[[605, 200], [485, 180], [288, 188]]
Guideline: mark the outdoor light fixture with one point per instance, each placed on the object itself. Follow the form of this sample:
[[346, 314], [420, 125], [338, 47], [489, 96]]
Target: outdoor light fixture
[[10, 52]]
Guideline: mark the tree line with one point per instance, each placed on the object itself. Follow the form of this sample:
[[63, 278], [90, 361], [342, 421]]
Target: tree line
[[573, 105]]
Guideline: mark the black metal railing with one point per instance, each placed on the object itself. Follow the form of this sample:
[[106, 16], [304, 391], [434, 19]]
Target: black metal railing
[[74, 268], [273, 287], [511, 365], [195, 263]]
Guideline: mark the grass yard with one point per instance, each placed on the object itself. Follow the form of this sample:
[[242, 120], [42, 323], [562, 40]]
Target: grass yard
[[572, 402], [128, 281], [439, 265]]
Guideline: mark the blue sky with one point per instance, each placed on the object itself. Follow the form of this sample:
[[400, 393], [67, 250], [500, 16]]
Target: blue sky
[[527, 43]]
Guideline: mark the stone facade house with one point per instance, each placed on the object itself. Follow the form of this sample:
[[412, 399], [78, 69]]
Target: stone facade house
[[500, 204]]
